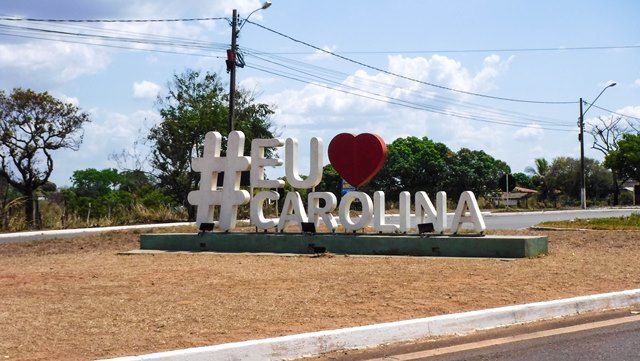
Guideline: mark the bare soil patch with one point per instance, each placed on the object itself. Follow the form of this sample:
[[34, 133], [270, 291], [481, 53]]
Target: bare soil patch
[[78, 299]]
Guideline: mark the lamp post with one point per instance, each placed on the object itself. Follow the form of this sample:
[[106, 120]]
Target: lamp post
[[583, 190], [232, 58]]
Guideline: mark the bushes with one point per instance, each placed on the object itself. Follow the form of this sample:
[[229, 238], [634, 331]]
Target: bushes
[[97, 198]]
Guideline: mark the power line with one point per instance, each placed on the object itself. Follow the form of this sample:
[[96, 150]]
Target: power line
[[404, 76], [315, 77], [112, 20], [111, 38], [113, 46], [189, 44], [120, 32], [495, 50], [611, 111], [437, 98], [101, 37], [403, 103]]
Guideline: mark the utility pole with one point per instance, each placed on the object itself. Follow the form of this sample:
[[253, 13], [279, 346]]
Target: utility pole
[[583, 190], [231, 68], [583, 187], [235, 59]]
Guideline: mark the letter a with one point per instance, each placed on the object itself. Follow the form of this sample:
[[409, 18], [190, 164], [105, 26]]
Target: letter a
[[468, 203]]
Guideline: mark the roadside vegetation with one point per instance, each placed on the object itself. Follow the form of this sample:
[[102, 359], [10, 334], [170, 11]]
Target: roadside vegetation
[[631, 222]]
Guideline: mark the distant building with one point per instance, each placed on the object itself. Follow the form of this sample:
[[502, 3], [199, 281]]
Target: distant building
[[632, 186], [519, 197]]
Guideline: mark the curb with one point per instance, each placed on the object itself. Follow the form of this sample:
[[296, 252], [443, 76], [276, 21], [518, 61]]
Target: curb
[[315, 343], [75, 232], [562, 211], [539, 228]]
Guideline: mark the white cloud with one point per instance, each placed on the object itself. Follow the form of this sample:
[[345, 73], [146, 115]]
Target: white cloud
[[316, 111], [636, 83], [65, 98], [305, 105], [631, 110], [493, 67], [108, 133], [255, 83], [45, 64], [530, 132], [145, 90], [50, 62], [322, 55]]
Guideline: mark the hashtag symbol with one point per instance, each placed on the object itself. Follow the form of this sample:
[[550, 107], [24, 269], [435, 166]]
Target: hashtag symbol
[[208, 195]]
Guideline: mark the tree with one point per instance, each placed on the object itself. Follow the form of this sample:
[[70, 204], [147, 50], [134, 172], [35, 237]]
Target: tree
[[32, 126], [564, 176], [195, 104], [606, 134], [413, 164], [626, 159], [523, 180], [91, 182], [474, 170], [539, 177], [331, 181], [420, 164]]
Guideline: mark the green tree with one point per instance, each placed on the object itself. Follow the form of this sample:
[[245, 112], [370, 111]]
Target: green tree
[[136, 181], [476, 171], [32, 126], [331, 181], [625, 160], [413, 164], [523, 180], [564, 176], [606, 134], [91, 182], [540, 177], [195, 104]]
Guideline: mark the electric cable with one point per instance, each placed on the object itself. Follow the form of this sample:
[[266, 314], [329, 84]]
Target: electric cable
[[611, 111], [404, 76], [404, 103]]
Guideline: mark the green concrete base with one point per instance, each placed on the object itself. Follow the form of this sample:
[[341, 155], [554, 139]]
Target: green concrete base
[[356, 244]]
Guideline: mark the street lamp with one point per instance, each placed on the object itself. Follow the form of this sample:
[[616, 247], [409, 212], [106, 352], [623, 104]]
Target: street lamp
[[231, 59], [263, 7], [583, 190]]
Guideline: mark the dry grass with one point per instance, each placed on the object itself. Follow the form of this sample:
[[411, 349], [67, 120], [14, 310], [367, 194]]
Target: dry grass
[[631, 222], [77, 299]]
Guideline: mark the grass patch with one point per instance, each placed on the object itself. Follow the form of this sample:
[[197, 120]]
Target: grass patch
[[631, 222]]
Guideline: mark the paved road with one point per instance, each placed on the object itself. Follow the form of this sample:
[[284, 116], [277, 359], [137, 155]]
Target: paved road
[[78, 232], [528, 219], [607, 335], [620, 342]]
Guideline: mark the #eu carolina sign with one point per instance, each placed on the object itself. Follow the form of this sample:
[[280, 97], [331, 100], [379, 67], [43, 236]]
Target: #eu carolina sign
[[356, 158]]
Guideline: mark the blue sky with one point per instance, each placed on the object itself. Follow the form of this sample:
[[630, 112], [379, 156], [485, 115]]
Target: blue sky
[[118, 87]]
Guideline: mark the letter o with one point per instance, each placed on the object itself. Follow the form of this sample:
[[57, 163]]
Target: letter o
[[345, 206]]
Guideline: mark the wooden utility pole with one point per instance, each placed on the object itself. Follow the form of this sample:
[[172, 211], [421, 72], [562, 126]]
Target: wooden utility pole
[[583, 190], [231, 67]]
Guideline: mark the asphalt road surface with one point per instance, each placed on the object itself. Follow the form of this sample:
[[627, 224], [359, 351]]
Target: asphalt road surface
[[619, 342], [608, 335], [528, 219]]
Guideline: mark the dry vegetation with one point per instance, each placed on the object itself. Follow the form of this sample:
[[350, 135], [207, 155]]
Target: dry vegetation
[[631, 222], [79, 299]]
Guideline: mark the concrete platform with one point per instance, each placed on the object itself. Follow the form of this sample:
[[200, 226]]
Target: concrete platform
[[356, 244]]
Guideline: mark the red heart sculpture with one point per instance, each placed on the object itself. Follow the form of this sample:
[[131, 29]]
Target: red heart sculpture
[[357, 158]]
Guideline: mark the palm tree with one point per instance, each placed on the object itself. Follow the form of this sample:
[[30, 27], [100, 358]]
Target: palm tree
[[540, 175]]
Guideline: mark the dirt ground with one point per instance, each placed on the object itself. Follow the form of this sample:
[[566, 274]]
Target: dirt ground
[[78, 299]]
